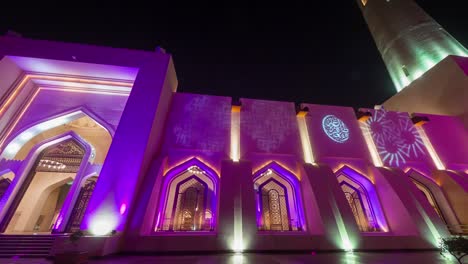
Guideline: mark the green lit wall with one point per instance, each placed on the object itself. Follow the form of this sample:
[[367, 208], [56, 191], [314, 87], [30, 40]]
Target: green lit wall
[[409, 40]]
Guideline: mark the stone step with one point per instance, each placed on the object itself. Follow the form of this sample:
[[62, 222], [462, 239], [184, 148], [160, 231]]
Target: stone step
[[10, 256], [26, 245], [13, 247]]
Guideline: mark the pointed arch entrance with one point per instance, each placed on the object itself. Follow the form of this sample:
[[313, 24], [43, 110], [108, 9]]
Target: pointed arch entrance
[[278, 197], [189, 198], [362, 199], [40, 198], [434, 195]]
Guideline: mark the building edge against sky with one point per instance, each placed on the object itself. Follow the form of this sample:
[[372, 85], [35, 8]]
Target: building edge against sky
[[101, 140], [408, 39], [426, 64]]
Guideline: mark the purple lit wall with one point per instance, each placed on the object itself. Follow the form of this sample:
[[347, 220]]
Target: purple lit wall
[[450, 140], [269, 132], [51, 103], [198, 125], [352, 145]]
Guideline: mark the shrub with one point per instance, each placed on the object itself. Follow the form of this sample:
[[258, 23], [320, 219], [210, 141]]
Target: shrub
[[457, 246]]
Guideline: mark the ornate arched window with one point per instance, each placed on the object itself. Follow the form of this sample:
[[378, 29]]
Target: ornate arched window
[[189, 200], [358, 199], [81, 204], [278, 201], [430, 197]]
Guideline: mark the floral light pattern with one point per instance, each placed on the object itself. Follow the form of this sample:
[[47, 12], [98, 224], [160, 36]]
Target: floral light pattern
[[395, 137]]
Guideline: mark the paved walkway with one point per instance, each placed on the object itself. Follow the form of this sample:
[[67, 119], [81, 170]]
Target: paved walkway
[[328, 258]]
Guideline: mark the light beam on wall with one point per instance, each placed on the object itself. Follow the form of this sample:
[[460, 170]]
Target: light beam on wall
[[235, 133], [371, 144], [103, 225], [238, 242], [345, 241], [434, 156], [305, 140]]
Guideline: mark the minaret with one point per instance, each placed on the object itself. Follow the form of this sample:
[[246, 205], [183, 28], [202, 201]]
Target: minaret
[[409, 40]]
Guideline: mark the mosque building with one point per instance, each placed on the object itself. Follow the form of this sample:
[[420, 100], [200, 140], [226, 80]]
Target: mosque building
[[97, 139]]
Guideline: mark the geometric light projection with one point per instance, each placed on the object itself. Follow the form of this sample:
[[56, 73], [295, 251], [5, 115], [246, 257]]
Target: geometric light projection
[[395, 137], [360, 202], [335, 129], [429, 197], [189, 196], [278, 200]]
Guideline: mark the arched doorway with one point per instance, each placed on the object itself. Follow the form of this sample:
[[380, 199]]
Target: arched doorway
[[362, 199], [279, 206], [40, 198], [434, 195], [429, 197], [188, 200]]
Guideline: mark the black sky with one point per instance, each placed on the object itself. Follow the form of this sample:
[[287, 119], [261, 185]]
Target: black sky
[[312, 51]]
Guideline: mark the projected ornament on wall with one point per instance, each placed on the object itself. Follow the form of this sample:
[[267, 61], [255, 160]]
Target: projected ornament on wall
[[396, 139], [335, 128]]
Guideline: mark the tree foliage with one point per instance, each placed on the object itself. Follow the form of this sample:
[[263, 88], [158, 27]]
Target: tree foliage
[[457, 246]]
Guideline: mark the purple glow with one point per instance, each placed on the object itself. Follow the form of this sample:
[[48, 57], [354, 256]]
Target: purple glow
[[23, 172], [49, 122], [174, 172], [123, 209], [293, 181], [59, 222], [366, 184]]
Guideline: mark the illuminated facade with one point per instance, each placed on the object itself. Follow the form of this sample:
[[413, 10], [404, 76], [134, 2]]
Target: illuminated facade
[[98, 139]]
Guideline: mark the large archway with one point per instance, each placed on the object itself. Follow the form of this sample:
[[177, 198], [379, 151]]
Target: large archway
[[40, 199], [67, 197]]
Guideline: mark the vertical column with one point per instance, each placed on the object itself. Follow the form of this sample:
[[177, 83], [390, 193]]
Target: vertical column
[[305, 139], [408, 216], [134, 145], [340, 227], [235, 133], [237, 223]]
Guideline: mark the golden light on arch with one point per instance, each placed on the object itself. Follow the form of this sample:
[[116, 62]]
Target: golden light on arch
[[287, 168], [177, 164]]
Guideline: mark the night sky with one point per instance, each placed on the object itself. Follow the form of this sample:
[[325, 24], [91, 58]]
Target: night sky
[[321, 53]]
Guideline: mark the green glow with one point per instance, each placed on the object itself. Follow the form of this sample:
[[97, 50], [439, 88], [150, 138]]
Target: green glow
[[428, 63], [238, 241], [424, 56], [436, 237], [417, 74], [346, 244]]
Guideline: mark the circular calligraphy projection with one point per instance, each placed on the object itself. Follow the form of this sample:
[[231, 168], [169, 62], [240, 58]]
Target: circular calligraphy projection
[[335, 128]]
